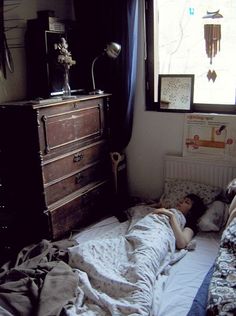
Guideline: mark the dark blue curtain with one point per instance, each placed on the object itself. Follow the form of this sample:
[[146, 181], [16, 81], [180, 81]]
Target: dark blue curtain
[[100, 22]]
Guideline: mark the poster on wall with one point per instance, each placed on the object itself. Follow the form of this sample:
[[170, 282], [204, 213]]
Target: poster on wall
[[210, 136]]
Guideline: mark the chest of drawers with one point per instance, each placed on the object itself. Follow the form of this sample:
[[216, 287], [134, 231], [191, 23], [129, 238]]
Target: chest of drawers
[[55, 168]]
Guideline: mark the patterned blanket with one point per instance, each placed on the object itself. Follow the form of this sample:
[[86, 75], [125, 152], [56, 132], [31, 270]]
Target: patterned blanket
[[117, 274], [222, 290]]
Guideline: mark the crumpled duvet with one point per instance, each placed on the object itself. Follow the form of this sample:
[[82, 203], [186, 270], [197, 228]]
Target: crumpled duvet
[[39, 282], [117, 274]]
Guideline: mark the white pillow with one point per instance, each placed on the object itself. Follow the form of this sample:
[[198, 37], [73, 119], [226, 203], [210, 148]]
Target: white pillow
[[214, 218], [176, 189], [232, 205]]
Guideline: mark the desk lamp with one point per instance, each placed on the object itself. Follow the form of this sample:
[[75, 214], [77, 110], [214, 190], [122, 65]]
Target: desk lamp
[[112, 50]]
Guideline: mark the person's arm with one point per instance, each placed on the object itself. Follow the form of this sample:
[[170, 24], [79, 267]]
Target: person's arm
[[156, 204], [183, 237]]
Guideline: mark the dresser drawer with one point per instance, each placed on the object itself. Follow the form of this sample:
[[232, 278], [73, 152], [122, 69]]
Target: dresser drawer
[[61, 129], [71, 183], [73, 161], [80, 209]]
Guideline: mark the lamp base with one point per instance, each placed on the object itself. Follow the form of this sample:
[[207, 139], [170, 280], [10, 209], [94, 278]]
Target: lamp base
[[65, 97], [96, 92]]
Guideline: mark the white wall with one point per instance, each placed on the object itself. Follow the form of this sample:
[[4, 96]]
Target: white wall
[[154, 135], [14, 87]]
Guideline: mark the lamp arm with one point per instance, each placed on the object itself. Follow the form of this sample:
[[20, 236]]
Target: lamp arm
[[112, 50], [92, 70]]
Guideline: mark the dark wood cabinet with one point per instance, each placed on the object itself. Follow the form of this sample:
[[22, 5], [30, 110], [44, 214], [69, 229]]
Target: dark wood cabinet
[[55, 168]]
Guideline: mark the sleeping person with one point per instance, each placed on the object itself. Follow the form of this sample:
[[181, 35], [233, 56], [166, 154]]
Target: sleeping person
[[117, 272], [183, 218]]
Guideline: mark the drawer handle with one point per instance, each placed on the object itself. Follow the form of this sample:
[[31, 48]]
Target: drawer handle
[[78, 157], [78, 178], [76, 105], [7, 248], [85, 200], [3, 227]]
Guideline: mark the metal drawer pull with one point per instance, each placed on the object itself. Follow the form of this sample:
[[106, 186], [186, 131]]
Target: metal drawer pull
[[85, 200], [7, 248], [78, 157], [78, 178], [3, 227]]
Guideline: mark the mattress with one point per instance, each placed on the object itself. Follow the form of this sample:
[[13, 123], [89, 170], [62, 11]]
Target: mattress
[[100, 229], [177, 286], [186, 276]]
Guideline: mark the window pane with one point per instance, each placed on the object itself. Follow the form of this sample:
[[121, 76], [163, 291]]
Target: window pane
[[180, 46]]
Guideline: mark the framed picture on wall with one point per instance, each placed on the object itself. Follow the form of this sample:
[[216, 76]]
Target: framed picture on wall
[[175, 93]]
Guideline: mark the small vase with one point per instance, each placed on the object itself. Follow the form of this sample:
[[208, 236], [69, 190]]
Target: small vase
[[66, 85]]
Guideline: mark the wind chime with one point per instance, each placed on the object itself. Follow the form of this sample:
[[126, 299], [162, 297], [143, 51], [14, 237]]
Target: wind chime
[[212, 36]]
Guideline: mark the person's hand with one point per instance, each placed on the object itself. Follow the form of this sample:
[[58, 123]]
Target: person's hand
[[164, 211]]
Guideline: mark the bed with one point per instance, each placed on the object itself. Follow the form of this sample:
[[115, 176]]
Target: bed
[[178, 280], [113, 268]]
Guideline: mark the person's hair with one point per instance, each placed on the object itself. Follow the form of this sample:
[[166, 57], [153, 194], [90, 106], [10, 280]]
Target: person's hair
[[198, 207]]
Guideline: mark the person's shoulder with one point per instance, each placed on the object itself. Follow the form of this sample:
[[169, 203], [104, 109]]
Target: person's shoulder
[[191, 223]]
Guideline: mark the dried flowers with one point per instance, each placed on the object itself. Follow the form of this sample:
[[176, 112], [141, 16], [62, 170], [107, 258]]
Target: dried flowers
[[64, 56]]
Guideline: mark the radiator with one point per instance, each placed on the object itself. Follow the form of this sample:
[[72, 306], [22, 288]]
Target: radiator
[[207, 171]]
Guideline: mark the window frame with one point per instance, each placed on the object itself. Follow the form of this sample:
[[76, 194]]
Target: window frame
[[151, 104]]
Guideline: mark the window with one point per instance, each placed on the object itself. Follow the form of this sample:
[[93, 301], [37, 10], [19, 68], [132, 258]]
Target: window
[[193, 37]]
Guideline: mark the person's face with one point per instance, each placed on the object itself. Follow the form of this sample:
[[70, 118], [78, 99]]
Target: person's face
[[184, 205]]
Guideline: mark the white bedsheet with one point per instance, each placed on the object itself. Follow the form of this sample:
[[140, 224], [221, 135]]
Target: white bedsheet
[[175, 289], [185, 277], [118, 273]]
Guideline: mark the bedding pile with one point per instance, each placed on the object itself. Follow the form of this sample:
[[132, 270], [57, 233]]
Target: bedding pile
[[109, 275], [222, 289], [39, 282]]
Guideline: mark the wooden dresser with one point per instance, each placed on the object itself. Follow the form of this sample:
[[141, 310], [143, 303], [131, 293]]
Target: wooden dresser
[[55, 171]]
